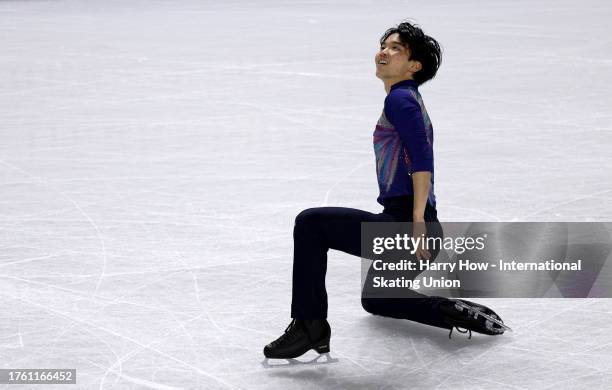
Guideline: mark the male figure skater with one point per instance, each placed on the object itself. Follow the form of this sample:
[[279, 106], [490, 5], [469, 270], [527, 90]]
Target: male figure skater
[[403, 145]]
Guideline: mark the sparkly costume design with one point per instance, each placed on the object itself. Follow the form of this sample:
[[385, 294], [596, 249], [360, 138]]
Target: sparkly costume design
[[403, 142]]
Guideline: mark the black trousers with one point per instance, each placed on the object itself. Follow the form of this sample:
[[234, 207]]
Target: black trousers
[[319, 229]]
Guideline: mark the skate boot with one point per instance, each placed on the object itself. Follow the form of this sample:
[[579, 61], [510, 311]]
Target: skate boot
[[459, 313], [299, 337]]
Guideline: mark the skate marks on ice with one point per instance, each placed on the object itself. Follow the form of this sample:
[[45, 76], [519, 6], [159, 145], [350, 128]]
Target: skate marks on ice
[[321, 359]]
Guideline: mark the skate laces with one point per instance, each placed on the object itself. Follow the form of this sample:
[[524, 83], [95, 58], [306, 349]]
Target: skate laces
[[291, 333], [293, 321], [460, 330]]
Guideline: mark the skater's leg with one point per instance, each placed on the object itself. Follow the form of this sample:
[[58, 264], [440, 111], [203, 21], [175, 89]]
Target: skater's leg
[[316, 231], [421, 308], [406, 304]]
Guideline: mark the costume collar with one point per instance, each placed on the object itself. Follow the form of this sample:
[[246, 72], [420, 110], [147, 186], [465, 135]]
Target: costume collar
[[404, 83]]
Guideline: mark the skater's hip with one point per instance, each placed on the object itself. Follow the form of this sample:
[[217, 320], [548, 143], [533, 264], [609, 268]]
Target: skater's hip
[[400, 208]]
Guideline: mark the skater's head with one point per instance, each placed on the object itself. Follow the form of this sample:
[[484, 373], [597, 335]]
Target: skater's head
[[407, 53]]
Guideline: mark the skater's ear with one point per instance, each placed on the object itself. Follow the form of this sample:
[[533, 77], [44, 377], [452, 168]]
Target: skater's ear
[[415, 66]]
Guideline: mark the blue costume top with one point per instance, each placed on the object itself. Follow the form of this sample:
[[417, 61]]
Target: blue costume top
[[403, 142]]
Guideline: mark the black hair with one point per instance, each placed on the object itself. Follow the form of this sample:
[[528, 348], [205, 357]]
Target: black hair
[[423, 48]]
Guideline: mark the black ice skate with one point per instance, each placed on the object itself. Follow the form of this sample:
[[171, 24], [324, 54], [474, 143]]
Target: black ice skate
[[459, 313], [300, 337]]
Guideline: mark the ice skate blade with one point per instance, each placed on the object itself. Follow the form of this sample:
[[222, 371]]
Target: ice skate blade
[[284, 363]]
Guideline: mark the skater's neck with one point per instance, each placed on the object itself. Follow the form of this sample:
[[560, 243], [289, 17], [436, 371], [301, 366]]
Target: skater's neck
[[393, 84]]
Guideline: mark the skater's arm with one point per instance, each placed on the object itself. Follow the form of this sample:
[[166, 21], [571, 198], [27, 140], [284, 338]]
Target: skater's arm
[[420, 185], [404, 112]]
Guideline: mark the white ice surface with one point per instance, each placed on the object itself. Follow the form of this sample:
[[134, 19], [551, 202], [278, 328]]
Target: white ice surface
[[153, 156]]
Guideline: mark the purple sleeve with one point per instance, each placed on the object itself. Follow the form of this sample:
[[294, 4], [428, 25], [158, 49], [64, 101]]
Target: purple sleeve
[[404, 113]]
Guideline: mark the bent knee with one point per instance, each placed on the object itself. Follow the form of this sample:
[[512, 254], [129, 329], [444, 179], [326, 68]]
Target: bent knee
[[369, 305], [308, 216]]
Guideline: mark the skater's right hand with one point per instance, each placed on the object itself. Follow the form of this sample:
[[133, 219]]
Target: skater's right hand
[[419, 229]]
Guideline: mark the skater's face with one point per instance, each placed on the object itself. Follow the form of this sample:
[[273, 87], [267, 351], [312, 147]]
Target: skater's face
[[393, 60]]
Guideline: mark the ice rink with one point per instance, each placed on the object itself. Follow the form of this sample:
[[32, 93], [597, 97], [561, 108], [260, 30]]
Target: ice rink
[[154, 155]]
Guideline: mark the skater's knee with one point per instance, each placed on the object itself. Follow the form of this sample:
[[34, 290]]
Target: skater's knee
[[369, 305], [307, 217]]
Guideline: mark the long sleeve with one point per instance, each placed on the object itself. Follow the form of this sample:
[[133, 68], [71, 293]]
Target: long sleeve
[[404, 113]]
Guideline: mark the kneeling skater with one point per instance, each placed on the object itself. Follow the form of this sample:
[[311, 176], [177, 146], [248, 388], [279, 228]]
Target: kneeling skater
[[403, 146]]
